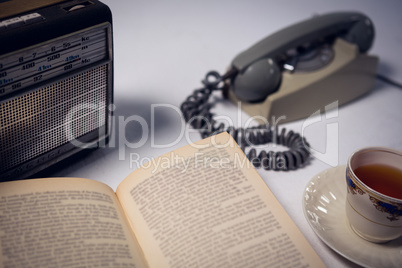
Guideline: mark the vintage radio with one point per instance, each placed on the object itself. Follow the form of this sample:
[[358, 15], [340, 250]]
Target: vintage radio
[[56, 82]]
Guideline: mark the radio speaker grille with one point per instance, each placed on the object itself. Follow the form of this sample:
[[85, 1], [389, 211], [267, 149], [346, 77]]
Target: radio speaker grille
[[48, 117]]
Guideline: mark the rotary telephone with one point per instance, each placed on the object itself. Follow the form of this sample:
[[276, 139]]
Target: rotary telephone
[[290, 74], [296, 71]]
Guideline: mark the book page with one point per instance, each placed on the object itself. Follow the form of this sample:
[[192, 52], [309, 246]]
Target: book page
[[64, 222], [205, 205]]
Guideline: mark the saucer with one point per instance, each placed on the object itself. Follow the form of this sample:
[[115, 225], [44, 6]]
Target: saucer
[[324, 208]]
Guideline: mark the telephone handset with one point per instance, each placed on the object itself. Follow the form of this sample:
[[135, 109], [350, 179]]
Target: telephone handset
[[259, 73], [290, 74]]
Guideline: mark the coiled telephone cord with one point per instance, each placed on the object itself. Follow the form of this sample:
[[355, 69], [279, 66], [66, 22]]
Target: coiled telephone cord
[[196, 110]]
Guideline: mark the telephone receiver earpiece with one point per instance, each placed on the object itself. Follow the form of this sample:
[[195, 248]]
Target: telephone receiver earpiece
[[258, 71]]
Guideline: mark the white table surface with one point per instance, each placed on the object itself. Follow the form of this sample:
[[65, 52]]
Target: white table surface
[[163, 49]]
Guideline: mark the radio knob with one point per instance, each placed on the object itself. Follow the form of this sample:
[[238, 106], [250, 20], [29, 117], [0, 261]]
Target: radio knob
[[76, 7]]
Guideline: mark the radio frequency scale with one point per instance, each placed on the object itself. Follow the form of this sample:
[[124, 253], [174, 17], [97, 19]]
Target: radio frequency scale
[[56, 57]]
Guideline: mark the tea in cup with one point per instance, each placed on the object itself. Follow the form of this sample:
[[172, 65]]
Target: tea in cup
[[374, 193]]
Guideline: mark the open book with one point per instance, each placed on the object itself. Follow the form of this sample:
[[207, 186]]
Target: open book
[[203, 205]]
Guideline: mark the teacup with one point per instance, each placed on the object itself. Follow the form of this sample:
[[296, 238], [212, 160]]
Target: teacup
[[374, 193]]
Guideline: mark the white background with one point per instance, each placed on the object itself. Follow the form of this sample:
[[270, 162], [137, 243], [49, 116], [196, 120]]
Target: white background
[[163, 49]]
